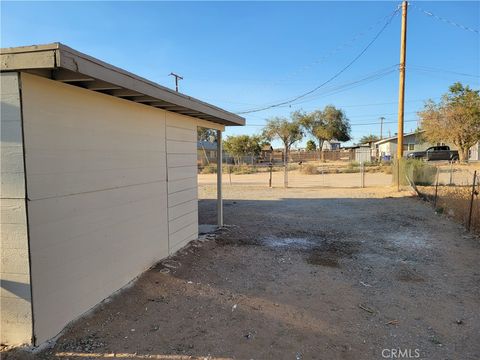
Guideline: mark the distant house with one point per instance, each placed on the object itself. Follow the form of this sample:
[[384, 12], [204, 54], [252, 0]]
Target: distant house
[[331, 145], [474, 152], [386, 149]]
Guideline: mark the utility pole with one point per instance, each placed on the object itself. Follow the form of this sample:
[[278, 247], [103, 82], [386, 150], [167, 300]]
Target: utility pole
[[177, 77], [401, 90], [381, 127]]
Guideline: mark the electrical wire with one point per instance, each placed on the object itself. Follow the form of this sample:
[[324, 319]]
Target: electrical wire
[[379, 74], [346, 44], [351, 124], [445, 20], [430, 69], [331, 78]]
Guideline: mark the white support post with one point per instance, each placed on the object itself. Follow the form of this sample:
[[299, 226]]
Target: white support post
[[219, 179]]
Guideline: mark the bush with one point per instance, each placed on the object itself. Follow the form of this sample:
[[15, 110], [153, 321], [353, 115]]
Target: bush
[[309, 169], [209, 169], [418, 171], [387, 169], [353, 164]]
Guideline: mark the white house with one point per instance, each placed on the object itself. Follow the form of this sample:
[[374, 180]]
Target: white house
[[331, 145], [387, 148], [99, 182]]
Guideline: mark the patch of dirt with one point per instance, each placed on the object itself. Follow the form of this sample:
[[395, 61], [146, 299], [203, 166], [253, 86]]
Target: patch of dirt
[[330, 253], [297, 274]]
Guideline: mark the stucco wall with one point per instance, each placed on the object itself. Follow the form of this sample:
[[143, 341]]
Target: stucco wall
[[15, 296], [96, 176]]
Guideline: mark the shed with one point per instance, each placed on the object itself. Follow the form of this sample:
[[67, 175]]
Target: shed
[[363, 153], [99, 182]]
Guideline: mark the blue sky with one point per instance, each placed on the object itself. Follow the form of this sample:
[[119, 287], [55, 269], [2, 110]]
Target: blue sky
[[243, 55]]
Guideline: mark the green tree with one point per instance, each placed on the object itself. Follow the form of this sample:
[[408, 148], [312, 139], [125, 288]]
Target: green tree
[[289, 131], [205, 134], [311, 146], [242, 145], [325, 125], [455, 119], [367, 139]]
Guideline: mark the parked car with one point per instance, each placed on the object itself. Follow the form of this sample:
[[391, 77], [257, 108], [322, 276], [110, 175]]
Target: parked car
[[435, 153]]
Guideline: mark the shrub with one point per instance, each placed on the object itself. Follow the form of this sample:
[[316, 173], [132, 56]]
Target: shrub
[[419, 172], [353, 164], [309, 169], [209, 169]]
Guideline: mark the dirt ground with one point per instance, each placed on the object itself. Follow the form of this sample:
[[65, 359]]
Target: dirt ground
[[299, 274], [297, 179]]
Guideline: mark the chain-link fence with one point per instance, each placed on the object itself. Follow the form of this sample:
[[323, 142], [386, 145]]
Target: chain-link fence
[[301, 174], [452, 188]]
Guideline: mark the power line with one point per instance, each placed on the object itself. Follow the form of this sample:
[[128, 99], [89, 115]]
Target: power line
[[445, 20], [359, 124], [340, 88], [331, 78], [430, 69], [332, 52], [378, 74]]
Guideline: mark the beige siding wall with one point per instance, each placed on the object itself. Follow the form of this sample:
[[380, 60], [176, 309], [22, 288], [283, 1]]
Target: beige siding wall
[[181, 132], [96, 176], [112, 189], [15, 295]]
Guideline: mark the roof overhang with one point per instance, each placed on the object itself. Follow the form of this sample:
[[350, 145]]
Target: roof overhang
[[61, 63]]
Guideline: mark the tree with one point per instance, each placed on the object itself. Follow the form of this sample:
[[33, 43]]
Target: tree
[[205, 134], [367, 139], [311, 146], [325, 125], [455, 119], [288, 131], [242, 145]]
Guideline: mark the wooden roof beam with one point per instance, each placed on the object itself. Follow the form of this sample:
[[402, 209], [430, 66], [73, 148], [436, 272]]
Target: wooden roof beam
[[69, 76], [99, 85], [124, 93]]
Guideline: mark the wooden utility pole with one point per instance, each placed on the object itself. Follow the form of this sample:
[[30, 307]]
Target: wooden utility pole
[[401, 90], [381, 127], [401, 85], [177, 77], [219, 179]]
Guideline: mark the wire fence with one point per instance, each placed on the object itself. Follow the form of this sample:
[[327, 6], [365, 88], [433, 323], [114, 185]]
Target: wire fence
[[301, 174], [452, 189]]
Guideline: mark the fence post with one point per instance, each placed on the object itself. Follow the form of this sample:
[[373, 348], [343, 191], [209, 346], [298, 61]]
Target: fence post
[[362, 174], [469, 223], [270, 179], [436, 190], [451, 173]]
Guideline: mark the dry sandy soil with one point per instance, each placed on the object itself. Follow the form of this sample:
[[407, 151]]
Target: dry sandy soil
[[299, 274], [297, 179]]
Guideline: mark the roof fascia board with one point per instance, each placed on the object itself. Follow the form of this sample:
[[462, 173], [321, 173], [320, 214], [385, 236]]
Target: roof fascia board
[[58, 56], [44, 59], [72, 60]]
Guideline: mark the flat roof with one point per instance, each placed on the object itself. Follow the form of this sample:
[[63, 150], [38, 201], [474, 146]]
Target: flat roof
[[62, 63]]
